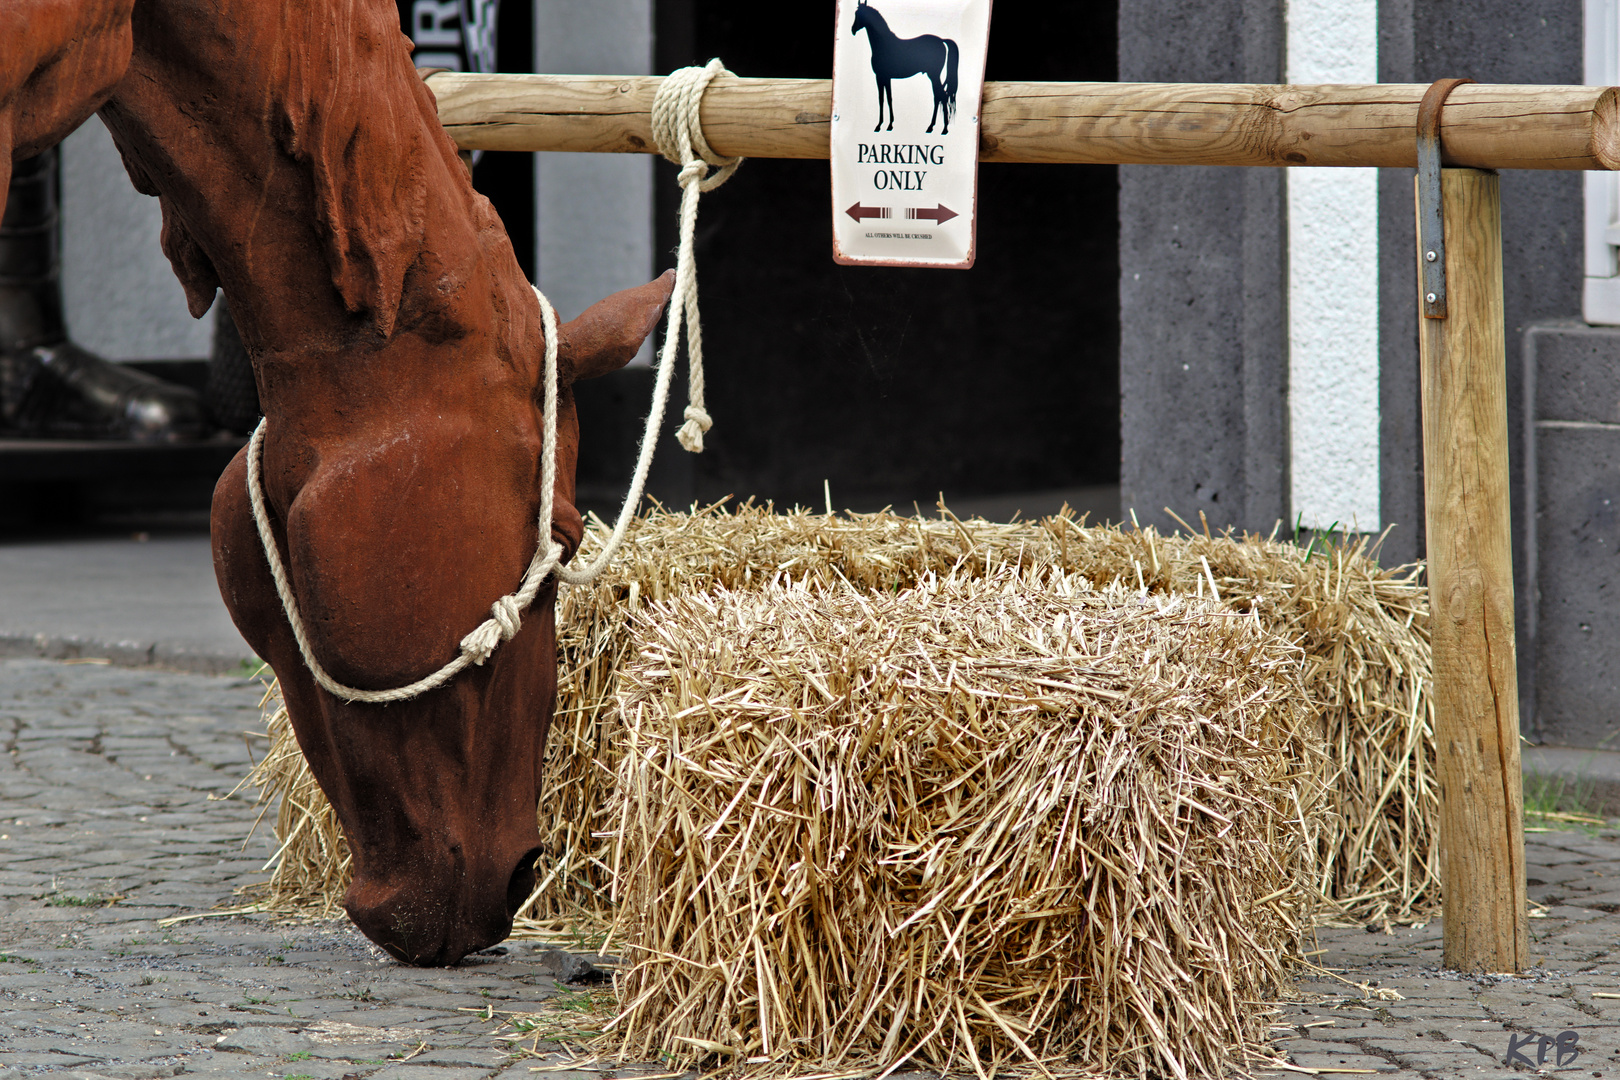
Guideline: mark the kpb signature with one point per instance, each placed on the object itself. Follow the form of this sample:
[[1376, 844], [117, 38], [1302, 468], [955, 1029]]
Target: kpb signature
[[1565, 1050]]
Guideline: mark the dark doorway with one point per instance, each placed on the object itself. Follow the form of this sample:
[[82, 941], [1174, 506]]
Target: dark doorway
[[895, 384]]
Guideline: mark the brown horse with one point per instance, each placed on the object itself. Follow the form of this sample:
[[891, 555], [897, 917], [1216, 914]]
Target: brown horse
[[301, 168]]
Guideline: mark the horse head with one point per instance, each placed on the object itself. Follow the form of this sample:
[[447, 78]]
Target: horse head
[[398, 351], [862, 17], [436, 795]]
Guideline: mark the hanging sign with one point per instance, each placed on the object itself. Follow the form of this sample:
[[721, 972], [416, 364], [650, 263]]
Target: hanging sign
[[907, 79]]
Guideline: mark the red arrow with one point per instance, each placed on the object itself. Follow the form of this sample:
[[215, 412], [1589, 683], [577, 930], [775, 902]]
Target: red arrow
[[941, 215], [859, 212]]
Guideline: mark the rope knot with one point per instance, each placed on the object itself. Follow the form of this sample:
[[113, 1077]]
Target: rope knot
[[693, 172], [678, 127], [505, 620], [691, 434]]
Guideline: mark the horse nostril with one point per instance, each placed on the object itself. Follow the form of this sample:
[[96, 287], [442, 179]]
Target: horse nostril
[[522, 882]]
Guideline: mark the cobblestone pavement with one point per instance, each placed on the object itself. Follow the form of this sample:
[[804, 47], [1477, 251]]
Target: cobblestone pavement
[[113, 816]]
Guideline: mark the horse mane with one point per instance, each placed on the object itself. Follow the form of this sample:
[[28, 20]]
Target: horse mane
[[362, 104], [875, 17], [352, 108]]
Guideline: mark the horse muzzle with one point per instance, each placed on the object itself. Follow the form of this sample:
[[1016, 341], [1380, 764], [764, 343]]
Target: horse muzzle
[[433, 919]]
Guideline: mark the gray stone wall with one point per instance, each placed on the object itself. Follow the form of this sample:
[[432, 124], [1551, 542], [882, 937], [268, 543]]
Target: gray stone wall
[[1203, 347], [120, 296], [1572, 400], [1203, 355]]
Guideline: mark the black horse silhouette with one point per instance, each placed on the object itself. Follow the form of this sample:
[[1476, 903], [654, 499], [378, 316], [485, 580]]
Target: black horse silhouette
[[895, 57]]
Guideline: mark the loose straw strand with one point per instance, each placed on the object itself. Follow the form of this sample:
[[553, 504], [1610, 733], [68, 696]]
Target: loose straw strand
[[678, 130]]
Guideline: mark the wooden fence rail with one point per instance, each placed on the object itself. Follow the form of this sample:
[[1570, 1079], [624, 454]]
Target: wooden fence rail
[[1486, 127]]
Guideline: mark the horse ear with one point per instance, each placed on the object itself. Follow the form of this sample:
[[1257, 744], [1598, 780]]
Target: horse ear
[[611, 331]]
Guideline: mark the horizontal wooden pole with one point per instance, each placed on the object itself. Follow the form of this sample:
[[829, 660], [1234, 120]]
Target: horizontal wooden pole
[[1485, 126]]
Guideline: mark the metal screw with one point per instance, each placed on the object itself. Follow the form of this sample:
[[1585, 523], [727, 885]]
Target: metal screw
[[1431, 256], [1431, 298]]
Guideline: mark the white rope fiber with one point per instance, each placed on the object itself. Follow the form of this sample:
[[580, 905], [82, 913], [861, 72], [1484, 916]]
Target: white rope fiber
[[678, 131]]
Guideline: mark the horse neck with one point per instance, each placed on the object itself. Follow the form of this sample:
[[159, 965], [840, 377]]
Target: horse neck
[[877, 26], [300, 167]]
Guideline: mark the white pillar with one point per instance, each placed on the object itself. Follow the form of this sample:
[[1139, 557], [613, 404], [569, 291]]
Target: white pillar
[[595, 211], [1333, 288], [121, 296]]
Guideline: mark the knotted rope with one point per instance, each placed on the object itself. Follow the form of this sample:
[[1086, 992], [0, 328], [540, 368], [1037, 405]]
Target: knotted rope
[[678, 131]]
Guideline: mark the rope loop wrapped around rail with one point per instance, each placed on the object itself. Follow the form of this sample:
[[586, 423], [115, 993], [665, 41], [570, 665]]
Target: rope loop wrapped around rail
[[678, 126]]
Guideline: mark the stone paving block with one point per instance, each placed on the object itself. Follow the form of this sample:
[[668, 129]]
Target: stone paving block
[[1342, 1061], [317, 1070], [1554, 875], [110, 805], [234, 1066], [1315, 1046], [1343, 1034], [1417, 1043], [1432, 1063], [1538, 855], [449, 1001], [375, 1053], [32, 1059], [466, 1057], [390, 1017], [262, 1040]]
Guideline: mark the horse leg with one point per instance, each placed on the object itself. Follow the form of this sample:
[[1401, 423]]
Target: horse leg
[[939, 105], [879, 82], [888, 89]]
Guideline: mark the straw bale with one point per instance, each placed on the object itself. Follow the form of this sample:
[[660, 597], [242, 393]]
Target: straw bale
[[311, 867], [1364, 631], [982, 822]]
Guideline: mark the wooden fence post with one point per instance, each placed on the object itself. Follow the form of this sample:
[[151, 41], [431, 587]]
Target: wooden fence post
[[1476, 703]]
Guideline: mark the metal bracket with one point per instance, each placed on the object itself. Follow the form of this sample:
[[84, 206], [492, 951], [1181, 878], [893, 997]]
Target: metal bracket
[[1431, 217]]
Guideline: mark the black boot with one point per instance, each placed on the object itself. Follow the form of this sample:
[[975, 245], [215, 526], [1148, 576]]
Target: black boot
[[49, 387]]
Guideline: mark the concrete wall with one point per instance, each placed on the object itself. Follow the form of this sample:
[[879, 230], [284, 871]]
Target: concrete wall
[[1203, 313], [121, 298], [1572, 399], [595, 231], [1205, 349]]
